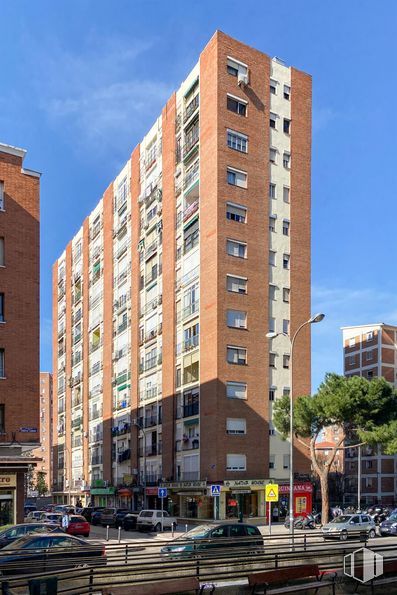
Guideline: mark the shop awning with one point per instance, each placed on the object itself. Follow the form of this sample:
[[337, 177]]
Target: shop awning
[[125, 492], [191, 422]]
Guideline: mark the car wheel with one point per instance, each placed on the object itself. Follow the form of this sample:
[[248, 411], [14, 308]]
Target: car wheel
[[343, 536], [371, 533], [157, 528]]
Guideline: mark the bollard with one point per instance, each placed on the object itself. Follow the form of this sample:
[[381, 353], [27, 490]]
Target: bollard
[[119, 534], [304, 542], [126, 553], [107, 532], [173, 529], [186, 528]]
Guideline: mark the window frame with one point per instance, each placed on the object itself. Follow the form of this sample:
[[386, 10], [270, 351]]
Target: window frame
[[237, 349], [232, 171], [237, 141], [232, 383], [239, 243], [236, 206], [228, 322], [239, 103], [244, 279]]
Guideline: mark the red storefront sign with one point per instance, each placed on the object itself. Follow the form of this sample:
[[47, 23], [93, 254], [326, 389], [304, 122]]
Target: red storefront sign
[[305, 487], [151, 491]]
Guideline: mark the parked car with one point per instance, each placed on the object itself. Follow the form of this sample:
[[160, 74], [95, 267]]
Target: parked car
[[39, 553], [113, 516], [33, 516], [29, 508], [129, 521], [78, 525], [64, 508], [89, 510], [17, 531], [208, 537], [150, 520], [51, 517], [96, 517], [349, 525], [389, 526]]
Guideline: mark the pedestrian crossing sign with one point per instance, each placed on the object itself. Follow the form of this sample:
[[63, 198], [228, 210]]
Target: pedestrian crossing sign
[[215, 490], [271, 492]]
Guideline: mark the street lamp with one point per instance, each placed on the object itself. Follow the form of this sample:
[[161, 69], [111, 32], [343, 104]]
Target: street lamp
[[136, 423], [272, 335]]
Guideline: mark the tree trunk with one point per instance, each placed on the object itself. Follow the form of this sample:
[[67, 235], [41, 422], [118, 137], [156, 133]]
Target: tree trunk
[[324, 495]]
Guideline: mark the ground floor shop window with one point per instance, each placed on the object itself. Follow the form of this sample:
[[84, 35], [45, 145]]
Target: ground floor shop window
[[7, 513], [245, 503]]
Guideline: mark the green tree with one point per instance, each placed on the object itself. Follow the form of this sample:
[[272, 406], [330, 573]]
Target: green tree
[[366, 410], [41, 485]]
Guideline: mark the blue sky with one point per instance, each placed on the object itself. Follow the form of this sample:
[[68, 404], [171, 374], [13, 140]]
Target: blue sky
[[82, 81]]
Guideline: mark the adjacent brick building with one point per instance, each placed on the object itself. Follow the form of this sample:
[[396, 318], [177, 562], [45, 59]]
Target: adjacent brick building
[[19, 326], [161, 302], [46, 425], [371, 351]]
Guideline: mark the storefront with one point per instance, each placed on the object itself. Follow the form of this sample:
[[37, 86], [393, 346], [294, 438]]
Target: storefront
[[303, 498], [8, 499], [242, 497], [103, 497], [188, 500]]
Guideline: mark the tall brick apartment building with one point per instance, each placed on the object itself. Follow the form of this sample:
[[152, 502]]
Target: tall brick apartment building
[[19, 326], [161, 302], [371, 351], [46, 425]]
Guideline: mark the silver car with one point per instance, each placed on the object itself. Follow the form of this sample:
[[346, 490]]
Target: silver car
[[349, 525]]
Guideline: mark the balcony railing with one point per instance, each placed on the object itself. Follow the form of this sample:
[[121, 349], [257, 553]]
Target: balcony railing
[[151, 450], [192, 138], [122, 327], [191, 343], [95, 413], [191, 175], [122, 429], [190, 276], [76, 402], [122, 404], [153, 304], [149, 393], [191, 309], [96, 437], [96, 460], [77, 422], [125, 455], [191, 107], [191, 443], [151, 248], [189, 410], [190, 210]]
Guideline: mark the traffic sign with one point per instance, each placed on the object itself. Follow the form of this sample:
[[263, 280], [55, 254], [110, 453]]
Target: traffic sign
[[271, 493], [215, 490], [162, 493]]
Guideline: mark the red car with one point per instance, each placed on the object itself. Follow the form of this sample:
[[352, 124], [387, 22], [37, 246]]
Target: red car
[[78, 525]]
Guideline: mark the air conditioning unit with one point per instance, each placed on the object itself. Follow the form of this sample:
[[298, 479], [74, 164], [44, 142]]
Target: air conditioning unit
[[242, 79]]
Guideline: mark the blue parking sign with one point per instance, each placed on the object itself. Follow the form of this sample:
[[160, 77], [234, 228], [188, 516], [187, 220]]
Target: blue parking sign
[[162, 492]]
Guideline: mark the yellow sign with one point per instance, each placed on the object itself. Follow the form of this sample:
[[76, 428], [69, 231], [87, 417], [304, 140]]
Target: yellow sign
[[8, 481], [271, 493]]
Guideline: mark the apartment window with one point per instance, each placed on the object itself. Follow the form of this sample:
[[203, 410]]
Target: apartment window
[[272, 155], [286, 259], [286, 391], [286, 359], [272, 462], [236, 248], [236, 284], [178, 377], [286, 194], [236, 177], [234, 67], [237, 141], [272, 223], [272, 190], [272, 360], [285, 326], [287, 92], [236, 390], [2, 256], [1, 307], [191, 237], [368, 482], [272, 393], [2, 363], [286, 227], [236, 426], [352, 342], [285, 461], [286, 125], [272, 431], [272, 325], [369, 336], [286, 160], [273, 87], [286, 292], [272, 292], [237, 355], [272, 258], [369, 355], [236, 462], [273, 119], [238, 106], [1, 196], [370, 374], [237, 319], [236, 212], [368, 464]]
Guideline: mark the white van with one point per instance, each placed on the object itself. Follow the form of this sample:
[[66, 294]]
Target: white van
[[150, 520]]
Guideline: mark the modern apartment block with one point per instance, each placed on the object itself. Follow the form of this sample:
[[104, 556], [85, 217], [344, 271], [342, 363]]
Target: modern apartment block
[[19, 327], [46, 425], [162, 300], [371, 351]]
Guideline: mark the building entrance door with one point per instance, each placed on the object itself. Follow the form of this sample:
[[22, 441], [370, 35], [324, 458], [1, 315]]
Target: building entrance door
[[6, 509]]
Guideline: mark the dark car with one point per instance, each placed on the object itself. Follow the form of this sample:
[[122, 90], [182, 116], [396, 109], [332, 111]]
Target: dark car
[[208, 537], [47, 552], [96, 517], [129, 521], [17, 531], [88, 511], [389, 526], [113, 516]]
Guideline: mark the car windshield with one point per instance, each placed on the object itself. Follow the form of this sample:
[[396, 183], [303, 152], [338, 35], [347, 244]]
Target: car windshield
[[344, 518], [146, 513], [77, 519], [199, 532], [23, 543]]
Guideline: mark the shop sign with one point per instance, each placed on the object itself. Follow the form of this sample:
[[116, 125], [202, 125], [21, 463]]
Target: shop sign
[[298, 487], [127, 479], [103, 491], [184, 484], [28, 430], [236, 483], [151, 491], [190, 493], [8, 481], [241, 491]]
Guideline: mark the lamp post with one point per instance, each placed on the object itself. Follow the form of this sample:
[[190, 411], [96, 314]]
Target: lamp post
[[272, 335], [140, 427]]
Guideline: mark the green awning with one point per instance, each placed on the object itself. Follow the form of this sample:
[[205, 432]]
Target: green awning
[[191, 222], [102, 491], [123, 386], [96, 268], [192, 86], [191, 422]]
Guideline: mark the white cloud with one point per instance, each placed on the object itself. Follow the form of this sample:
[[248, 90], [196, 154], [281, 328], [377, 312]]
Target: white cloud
[[322, 117]]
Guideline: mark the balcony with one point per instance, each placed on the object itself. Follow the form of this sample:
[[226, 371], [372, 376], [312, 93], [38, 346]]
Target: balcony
[[192, 138], [149, 393], [97, 390], [76, 402], [125, 455], [96, 460], [76, 338], [190, 210], [122, 404], [122, 327], [121, 378], [76, 359], [191, 309], [192, 175], [95, 231], [76, 297], [190, 276], [96, 437], [95, 346], [153, 304], [190, 475], [61, 406], [152, 334], [191, 108], [121, 278], [61, 331], [151, 421], [151, 248], [121, 249], [95, 413], [191, 343], [77, 422], [121, 430], [190, 443], [191, 409], [151, 450], [76, 442]]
